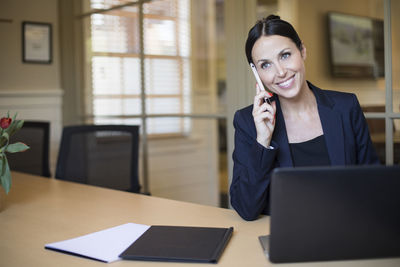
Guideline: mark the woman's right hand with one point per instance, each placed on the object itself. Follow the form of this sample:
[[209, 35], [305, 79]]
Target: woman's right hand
[[264, 117]]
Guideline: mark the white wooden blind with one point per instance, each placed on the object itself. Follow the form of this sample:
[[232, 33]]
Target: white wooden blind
[[114, 60]]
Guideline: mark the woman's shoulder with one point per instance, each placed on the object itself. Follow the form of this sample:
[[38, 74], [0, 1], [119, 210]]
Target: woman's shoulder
[[246, 111], [331, 93], [335, 98], [244, 116], [340, 95], [342, 99]]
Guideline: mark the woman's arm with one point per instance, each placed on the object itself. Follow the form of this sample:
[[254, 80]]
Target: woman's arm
[[252, 168]]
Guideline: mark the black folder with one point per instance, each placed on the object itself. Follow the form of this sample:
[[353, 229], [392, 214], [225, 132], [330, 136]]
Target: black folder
[[179, 244]]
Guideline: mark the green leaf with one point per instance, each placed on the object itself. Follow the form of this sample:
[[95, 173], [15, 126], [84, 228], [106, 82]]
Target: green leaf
[[4, 140], [6, 178], [6, 182], [5, 175], [16, 147], [2, 162], [6, 135], [10, 128], [18, 125]]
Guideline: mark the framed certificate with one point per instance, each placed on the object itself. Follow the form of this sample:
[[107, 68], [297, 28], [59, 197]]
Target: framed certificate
[[36, 42]]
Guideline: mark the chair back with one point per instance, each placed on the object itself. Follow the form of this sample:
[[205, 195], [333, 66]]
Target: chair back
[[35, 160], [101, 155]]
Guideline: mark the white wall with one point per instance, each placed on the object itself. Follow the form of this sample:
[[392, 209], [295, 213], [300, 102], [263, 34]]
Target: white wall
[[14, 74], [32, 90]]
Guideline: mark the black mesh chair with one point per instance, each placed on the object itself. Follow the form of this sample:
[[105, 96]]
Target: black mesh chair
[[36, 134], [101, 155]]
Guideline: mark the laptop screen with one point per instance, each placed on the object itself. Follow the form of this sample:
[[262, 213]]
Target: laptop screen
[[334, 213]]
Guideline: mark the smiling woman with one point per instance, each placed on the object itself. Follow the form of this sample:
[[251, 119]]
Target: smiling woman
[[302, 126]]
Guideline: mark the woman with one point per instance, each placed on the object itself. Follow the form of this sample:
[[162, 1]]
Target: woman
[[303, 125]]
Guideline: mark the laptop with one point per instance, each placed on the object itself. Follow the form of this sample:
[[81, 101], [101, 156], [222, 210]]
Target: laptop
[[333, 213]]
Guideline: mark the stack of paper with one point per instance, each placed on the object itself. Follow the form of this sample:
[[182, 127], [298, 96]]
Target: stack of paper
[[105, 245]]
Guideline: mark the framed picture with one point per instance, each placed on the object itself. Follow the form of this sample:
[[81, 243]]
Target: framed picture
[[36, 42], [356, 46]]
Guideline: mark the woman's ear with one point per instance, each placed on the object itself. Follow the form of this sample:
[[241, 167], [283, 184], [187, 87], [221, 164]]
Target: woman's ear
[[303, 51]]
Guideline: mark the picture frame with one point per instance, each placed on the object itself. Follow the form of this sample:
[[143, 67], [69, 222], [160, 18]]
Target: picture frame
[[36, 42], [356, 46]]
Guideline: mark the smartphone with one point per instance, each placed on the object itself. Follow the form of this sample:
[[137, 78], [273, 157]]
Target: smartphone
[[259, 82]]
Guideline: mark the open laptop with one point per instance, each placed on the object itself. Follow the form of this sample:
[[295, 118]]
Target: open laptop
[[334, 213]]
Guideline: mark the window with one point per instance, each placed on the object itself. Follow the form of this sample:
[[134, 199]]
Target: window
[[113, 76]]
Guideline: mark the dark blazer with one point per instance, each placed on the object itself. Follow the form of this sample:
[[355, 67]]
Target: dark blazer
[[346, 135]]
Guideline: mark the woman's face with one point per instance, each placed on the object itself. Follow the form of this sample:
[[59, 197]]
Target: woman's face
[[280, 65]]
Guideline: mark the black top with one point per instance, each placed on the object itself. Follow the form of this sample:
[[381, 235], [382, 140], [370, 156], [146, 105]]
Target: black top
[[310, 153]]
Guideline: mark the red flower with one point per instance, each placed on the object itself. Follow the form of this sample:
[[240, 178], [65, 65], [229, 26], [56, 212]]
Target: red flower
[[5, 122]]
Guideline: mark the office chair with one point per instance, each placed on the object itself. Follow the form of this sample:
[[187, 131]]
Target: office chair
[[101, 155], [35, 160]]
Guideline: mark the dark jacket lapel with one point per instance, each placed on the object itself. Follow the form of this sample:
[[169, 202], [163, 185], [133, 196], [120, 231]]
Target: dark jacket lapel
[[332, 126], [284, 156]]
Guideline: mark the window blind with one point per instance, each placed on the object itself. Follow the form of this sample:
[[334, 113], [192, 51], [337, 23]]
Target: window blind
[[114, 59]]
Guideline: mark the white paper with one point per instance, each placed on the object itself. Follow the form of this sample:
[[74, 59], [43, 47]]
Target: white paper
[[105, 245]]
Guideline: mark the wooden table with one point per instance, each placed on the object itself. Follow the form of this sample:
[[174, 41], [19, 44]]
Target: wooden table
[[42, 210]]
